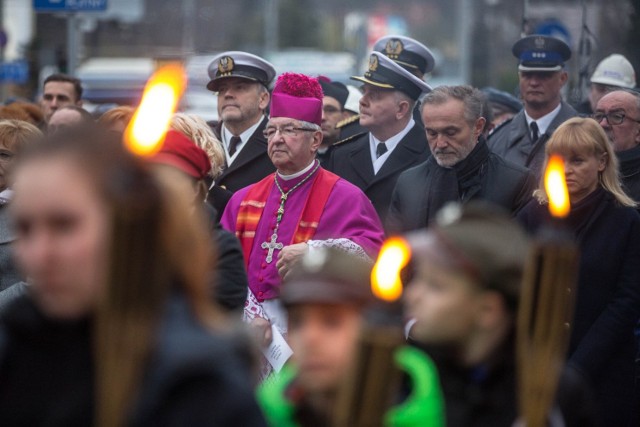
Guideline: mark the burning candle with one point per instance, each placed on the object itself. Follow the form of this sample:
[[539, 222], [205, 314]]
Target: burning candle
[[150, 122], [546, 305], [386, 283], [374, 382]]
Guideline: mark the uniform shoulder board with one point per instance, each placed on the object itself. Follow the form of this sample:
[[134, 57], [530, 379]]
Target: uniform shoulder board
[[349, 139], [500, 126], [348, 120]]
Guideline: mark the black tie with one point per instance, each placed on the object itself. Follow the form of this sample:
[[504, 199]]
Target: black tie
[[233, 144], [534, 131], [381, 149]]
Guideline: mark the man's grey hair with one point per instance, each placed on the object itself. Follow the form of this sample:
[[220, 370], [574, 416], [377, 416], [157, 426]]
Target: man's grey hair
[[635, 94], [401, 96], [472, 98]]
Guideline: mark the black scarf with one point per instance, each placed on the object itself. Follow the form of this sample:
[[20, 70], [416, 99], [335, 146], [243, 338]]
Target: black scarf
[[586, 211], [629, 162], [458, 183]]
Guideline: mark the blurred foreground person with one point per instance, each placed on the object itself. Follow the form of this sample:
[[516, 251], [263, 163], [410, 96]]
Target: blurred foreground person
[[327, 298], [186, 165], [117, 328], [198, 131], [13, 135], [606, 228], [464, 299]]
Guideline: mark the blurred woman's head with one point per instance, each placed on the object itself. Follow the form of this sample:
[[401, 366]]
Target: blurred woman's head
[[13, 135], [117, 119], [198, 131], [589, 159], [100, 236]]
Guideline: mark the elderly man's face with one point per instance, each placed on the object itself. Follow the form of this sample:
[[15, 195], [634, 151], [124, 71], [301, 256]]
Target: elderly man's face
[[378, 108], [291, 148], [626, 135], [541, 89], [451, 138]]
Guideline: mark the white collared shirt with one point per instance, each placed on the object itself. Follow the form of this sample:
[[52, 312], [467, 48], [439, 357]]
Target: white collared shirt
[[544, 121], [391, 144], [244, 136]]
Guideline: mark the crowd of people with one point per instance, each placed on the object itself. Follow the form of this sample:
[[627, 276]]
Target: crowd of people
[[226, 279]]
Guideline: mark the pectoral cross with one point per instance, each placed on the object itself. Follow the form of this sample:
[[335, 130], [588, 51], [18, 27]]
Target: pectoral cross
[[272, 245]]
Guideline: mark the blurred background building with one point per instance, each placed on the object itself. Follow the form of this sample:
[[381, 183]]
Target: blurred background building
[[119, 47]]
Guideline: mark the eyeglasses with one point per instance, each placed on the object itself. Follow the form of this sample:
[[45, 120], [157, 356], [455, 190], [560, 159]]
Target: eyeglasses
[[612, 118], [287, 131]]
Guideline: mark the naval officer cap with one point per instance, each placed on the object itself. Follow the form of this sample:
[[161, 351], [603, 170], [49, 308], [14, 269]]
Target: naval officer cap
[[541, 53], [385, 73], [410, 54], [240, 65]]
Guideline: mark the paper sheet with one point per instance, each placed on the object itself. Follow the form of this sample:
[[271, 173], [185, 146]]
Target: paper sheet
[[278, 351]]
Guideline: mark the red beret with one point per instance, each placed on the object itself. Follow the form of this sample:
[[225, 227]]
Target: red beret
[[182, 153]]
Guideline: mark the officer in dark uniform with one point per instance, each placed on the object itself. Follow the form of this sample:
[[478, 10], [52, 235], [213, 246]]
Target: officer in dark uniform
[[373, 161], [542, 76], [335, 95], [241, 81], [503, 105], [411, 55], [350, 127]]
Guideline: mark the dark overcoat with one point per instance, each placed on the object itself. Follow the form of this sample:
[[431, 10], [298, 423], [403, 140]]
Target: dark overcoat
[[499, 181], [602, 343], [352, 161], [251, 165], [512, 140]]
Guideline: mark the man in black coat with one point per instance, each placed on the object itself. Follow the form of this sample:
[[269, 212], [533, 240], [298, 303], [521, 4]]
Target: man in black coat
[[542, 76], [241, 81], [461, 167], [618, 113], [394, 143]]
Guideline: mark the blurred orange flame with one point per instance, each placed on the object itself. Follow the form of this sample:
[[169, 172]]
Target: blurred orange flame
[[555, 186], [385, 276], [150, 122]]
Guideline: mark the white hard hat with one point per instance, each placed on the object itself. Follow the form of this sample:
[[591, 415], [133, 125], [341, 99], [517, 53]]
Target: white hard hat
[[615, 70], [353, 100]]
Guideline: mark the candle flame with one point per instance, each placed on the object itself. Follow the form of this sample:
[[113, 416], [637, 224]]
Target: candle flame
[[555, 186], [385, 276], [150, 122]]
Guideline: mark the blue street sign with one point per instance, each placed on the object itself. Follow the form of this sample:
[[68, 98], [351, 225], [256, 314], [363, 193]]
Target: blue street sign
[[14, 72], [70, 5]]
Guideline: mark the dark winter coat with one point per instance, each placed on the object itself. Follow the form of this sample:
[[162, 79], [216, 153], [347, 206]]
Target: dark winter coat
[[512, 140], [418, 195], [352, 161], [602, 343], [630, 171], [250, 166], [192, 377]]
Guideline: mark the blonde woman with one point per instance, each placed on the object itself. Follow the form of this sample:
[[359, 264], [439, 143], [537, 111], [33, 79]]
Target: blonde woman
[[198, 131], [606, 227]]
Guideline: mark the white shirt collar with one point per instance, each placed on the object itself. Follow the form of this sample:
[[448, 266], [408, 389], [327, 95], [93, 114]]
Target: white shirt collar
[[244, 136], [297, 174], [391, 144], [544, 121]]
